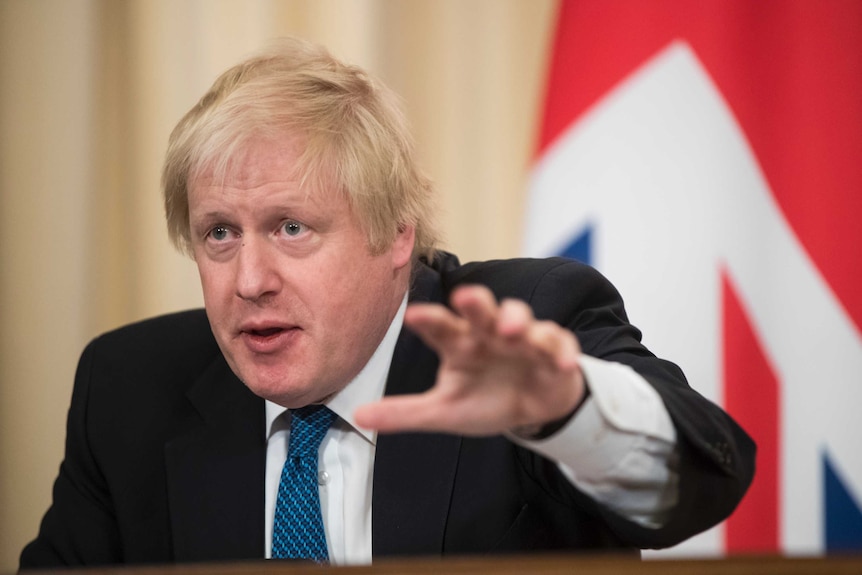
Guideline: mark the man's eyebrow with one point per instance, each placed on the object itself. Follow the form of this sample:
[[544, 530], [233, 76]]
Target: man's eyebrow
[[207, 218], [210, 214]]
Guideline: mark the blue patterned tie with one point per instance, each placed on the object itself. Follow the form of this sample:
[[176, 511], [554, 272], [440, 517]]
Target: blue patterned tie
[[297, 532]]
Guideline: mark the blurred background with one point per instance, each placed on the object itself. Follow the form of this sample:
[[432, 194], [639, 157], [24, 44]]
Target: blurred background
[[703, 155]]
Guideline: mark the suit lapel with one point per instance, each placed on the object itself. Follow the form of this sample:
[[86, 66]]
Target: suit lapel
[[216, 472], [414, 473]]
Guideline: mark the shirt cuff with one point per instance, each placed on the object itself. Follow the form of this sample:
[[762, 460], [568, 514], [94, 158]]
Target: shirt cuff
[[620, 447]]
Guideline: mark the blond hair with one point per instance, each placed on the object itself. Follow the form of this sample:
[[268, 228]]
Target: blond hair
[[354, 134]]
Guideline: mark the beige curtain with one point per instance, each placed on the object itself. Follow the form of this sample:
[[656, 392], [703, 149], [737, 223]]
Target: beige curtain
[[90, 89]]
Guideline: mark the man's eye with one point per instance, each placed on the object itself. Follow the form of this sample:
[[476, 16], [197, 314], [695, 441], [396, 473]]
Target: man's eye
[[293, 228], [219, 233]]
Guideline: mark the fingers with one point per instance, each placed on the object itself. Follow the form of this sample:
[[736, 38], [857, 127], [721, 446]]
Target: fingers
[[500, 367], [475, 310], [558, 345], [435, 324], [478, 306], [475, 313], [514, 319], [514, 322], [509, 327]]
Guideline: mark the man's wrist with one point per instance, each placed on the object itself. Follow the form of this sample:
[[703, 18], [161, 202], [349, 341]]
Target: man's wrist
[[537, 432]]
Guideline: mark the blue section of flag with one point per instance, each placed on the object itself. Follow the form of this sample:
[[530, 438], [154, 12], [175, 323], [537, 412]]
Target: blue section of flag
[[843, 517], [581, 248]]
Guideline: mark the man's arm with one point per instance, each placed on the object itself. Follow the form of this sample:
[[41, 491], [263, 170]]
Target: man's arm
[[493, 356], [629, 461], [502, 371]]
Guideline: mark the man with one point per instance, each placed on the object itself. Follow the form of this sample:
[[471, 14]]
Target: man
[[542, 421]]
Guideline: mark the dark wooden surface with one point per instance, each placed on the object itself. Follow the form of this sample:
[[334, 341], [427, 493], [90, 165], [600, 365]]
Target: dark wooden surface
[[502, 565]]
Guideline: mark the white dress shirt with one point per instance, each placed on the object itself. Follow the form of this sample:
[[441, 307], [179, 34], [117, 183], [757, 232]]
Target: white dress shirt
[[620, 448]]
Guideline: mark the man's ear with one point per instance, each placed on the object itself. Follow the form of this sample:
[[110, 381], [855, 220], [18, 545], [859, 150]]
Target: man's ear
[[402, 247]]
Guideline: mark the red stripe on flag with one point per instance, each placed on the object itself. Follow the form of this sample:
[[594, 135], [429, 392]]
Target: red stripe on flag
[[751, 396], [791, 71]]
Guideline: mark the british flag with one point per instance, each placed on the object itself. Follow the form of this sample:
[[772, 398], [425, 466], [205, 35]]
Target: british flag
[[707, 157]]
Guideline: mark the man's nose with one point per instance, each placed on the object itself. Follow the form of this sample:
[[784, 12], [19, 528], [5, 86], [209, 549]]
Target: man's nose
[[256, 272]]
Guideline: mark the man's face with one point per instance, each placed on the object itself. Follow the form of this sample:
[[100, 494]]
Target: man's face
[[295, 299]]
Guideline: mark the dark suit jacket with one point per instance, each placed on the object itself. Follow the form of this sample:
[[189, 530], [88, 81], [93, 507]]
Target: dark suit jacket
[[165, 446]]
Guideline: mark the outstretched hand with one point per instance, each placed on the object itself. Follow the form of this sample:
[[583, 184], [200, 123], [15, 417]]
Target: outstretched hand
[[501, 369]]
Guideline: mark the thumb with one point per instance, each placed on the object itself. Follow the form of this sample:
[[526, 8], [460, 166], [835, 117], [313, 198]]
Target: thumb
[[400, 413]]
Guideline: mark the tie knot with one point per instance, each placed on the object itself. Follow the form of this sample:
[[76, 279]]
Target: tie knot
[[308, 425]]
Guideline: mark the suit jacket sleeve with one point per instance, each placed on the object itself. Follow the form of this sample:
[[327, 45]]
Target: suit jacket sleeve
[[716, 456], [80, 527], [156, 413]]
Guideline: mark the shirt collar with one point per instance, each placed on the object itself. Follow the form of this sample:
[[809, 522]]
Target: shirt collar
[[368, 386]]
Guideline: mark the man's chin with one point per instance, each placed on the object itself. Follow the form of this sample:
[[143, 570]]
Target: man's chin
[[290, 396]]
